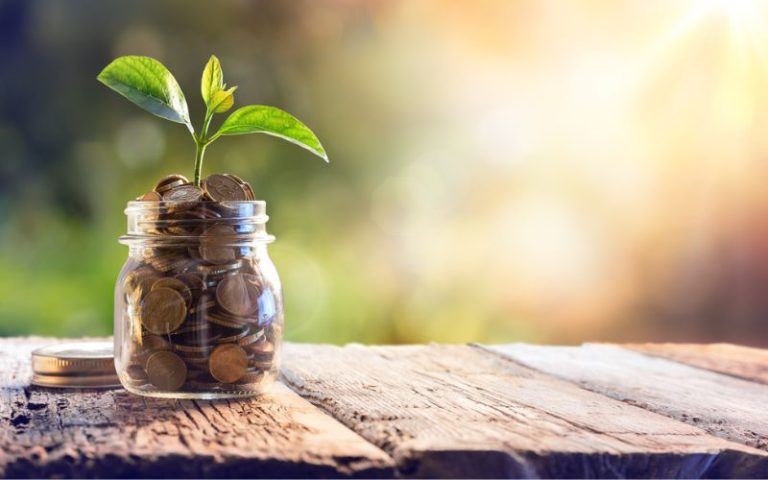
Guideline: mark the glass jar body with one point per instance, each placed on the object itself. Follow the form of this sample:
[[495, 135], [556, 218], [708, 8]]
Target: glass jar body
[[198, 303]]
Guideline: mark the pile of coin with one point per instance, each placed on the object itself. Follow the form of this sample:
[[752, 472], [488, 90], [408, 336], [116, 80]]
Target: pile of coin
[[199, 311]]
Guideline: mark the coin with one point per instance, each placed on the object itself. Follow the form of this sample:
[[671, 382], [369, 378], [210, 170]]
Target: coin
[[225, 320], [245, 185], [168, 182], [174, 264], [136, 373], [163, 310], [249, 191], [175, 284], [137, 277], [152, 343], [183, 193], [214, 244], [204, 211], [193, 282], [216, 270], [238, 294], [204, 303], [223, 188], [228, 363], [262, 349], [150, 197], [234, 335], [250, 339], [166, 370]]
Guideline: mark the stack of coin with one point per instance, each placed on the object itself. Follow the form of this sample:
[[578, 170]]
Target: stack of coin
[[202, 315]]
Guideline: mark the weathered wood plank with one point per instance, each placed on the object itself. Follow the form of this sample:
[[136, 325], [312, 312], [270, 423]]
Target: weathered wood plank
[[728, 407], [92, 433], [458, 411], [736, 360]]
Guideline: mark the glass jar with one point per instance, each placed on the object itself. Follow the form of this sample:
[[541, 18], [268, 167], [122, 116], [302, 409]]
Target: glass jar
[[198, 303]]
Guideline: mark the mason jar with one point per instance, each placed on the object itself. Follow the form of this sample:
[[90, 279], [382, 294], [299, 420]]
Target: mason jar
[[198, 303]]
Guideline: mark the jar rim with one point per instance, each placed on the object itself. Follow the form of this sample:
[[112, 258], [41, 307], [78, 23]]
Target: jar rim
[[164, 222], [146, 205], [237, 240]]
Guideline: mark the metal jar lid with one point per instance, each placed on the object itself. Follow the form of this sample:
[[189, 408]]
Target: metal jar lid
[[75, 365]]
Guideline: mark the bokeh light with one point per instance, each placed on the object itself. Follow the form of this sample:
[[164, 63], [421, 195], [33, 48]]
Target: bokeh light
[[537, 170]]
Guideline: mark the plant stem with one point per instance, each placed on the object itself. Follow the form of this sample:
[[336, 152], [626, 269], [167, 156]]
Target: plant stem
[[201, 143], [199, 154]]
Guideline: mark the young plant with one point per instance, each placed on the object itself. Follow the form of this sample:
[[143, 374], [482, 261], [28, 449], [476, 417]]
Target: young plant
[[147, 83]]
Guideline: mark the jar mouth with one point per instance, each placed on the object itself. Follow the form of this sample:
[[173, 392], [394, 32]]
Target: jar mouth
[[162, 223], [238, 209]]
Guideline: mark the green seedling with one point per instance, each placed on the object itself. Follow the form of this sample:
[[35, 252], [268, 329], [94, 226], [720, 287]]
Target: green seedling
[[147, 83]]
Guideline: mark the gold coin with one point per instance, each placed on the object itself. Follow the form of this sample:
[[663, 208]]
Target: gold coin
[[175, 284], [138, 277], [193, 282], [151, 343], [163, 310], [136, 373], [224, 188], [216, 270], [203, 304], [166, 370], [150, 197], [262, 349], [137, 283], [238, 294], [245, 185], [203, 211], [169, 182], [261, 364], [183, 193], [225, 320], [250, 339], [191, 327], [228, 363], [249, 191], [236, 336], [214, 244]]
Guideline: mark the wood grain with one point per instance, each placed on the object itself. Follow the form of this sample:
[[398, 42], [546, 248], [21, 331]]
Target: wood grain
[[738, 361], [728, 407], [92, 433], [459, 411]]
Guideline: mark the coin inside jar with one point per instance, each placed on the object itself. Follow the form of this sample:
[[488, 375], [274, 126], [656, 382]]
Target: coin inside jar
[[245, 185], [150, 197], [175, 284], [183, 193], [193, 282], [238, 294], [223, 188], [228, 363], [166, 371], [214, 244], [168, 182], [163, 310]]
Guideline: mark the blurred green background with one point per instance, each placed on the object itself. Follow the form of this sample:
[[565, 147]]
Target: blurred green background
[[500, 171]]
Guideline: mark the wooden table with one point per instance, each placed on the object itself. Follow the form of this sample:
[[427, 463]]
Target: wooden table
[[413, 411]]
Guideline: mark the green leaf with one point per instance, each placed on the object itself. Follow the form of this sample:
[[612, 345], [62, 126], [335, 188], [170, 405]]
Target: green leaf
[[147, 83], [212, 81], [223, 100], [272, 121]]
